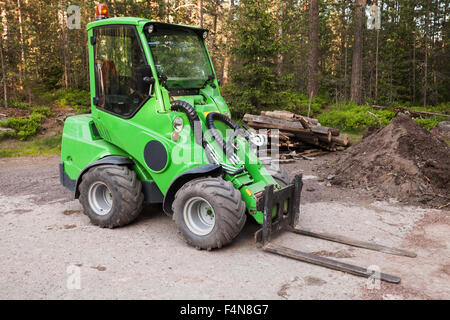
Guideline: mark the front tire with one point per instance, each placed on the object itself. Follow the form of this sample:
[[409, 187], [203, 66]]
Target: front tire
[[111, 195], [278, 173], [209, 212]]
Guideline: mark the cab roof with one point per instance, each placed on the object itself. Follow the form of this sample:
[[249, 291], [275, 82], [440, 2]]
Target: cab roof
[[136, 21]]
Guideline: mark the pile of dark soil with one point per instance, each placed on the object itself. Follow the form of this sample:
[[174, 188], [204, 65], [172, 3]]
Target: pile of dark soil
[[402, 161]]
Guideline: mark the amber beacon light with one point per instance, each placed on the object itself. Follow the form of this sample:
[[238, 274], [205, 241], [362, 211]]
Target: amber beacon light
[[101, 11]]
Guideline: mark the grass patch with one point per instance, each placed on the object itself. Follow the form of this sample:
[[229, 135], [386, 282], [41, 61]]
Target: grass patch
[[352, 118], [79, 100], [37, 146], [26, 127]]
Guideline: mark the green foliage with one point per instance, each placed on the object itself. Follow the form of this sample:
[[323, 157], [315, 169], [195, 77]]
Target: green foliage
[[443, 108], [299, 103], [255, 84], [25, 127], [34, 147], [52, 75], [428, 123], [45, 111], [353, 118], [13, 103], [6, 134], [77, 99]]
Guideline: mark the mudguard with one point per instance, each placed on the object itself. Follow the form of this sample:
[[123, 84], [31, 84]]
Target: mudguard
[[214, 170], [114, 160]]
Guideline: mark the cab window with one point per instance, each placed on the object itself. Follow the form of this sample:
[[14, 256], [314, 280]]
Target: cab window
[[119, 64]]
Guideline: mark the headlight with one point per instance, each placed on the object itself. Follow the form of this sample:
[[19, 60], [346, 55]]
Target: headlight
[[178, 124]]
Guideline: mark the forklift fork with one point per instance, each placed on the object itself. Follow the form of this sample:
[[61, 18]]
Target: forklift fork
[[286, 202]]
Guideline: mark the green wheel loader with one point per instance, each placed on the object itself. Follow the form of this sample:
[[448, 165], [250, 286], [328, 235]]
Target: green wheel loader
[[160, 132]]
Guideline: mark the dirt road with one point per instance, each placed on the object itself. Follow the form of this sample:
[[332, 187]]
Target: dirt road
[[49, 250]]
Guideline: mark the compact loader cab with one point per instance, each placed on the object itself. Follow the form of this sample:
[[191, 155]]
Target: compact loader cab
[[160, 132]]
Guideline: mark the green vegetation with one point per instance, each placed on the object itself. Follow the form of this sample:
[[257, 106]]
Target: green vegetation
[[26, 106], [24, 127], [428, 123], [354, 118], [36, 146], [76, 99]]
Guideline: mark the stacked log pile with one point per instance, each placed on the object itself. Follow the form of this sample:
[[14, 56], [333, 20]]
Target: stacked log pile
[[297, 133]]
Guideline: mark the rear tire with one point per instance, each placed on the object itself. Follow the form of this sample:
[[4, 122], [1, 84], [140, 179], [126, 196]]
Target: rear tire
[[111, 195], [209, 212]]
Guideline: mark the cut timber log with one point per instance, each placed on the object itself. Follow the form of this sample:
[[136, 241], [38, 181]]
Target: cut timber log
[[341, 140], [283, 115], [275, 123], [325, 137], [312, 121], [287, 116], [258, 125], [308, 138], [291, 132], [325, 130]]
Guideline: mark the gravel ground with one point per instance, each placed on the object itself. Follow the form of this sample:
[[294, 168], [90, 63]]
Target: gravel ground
[[49, 249]]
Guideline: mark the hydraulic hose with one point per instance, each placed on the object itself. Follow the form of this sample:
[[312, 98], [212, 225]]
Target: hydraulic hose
[[228, 149]]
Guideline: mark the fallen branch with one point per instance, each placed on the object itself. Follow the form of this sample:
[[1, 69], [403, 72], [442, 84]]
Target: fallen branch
[[376, 117], [415, 111], [444, 206]]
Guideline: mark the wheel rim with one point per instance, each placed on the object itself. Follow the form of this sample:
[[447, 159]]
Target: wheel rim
[[100, 198], [199, 216]]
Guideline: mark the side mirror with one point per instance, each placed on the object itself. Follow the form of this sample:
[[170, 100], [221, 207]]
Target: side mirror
[[144, 80]]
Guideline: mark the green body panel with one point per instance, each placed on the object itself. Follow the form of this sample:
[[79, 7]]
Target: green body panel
[[154, 121], [80, 147]]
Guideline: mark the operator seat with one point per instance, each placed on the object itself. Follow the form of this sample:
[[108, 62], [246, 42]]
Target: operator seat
[[110, 83]]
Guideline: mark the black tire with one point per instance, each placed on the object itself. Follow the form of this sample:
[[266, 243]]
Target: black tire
[[278, 173], [228, 211], [125, 189]]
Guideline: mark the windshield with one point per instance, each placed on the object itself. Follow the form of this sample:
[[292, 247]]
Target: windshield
[[180, 55]]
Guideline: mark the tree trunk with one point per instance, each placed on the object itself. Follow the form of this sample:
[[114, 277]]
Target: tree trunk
[[227, 58], [280, 15], [356, 82], [200, 12], [215, 36], [3, 39], [313, 60], [5, 87], [414, 70], [22, 49], [167, 11], [63, 43], [425, 80], [376, 67]]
